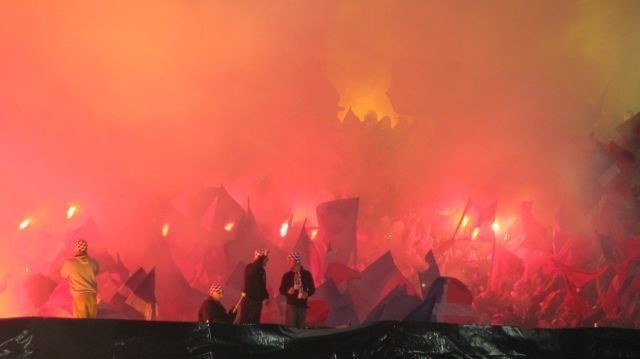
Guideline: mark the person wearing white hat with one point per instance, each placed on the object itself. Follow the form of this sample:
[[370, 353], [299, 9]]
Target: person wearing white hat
[[81, 271], [212, 310], [255, 289], [297, 285]]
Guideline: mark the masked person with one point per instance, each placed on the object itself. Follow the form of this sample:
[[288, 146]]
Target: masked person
[[297, 285], [255, 289], [81, 271], [212, 310]]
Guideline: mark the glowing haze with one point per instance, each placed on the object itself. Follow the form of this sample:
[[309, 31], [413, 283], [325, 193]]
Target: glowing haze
[[104, 104]]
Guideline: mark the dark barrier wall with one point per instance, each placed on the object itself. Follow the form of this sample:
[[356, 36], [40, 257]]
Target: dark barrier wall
[[68, 338]]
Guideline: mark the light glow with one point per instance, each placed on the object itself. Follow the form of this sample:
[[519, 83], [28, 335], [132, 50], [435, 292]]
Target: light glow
[[71, 211], [284, 229], [24, 224]]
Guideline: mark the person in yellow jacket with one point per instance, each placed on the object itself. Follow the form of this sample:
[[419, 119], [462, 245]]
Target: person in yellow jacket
[[81, 271]]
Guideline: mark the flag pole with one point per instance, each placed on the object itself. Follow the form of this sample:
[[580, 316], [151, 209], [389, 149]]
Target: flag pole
[[304, 226], [445, 246], [493, 259], [464, 213]]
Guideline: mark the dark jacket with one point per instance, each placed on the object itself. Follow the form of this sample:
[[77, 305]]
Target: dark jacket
[[307, 286], [255, 281], [213, 311]]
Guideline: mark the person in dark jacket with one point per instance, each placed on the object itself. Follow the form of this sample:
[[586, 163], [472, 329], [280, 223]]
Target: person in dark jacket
[[255, 289], [297, 285], [212, 310]]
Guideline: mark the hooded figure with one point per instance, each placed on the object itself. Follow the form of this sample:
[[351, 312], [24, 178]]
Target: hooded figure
[[81, 272]]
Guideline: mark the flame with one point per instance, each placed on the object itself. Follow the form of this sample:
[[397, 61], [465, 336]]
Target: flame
[[284, 229], [314, 233], [495, 226], [229, 226], [475, 233], [71, 211], [24, 224], [465, 221], [165, 230]]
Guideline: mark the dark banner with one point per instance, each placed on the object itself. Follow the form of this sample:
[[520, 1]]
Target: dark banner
[[68, 338]]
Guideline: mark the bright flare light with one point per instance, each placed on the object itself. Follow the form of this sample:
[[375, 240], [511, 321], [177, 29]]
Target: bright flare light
[[475, 233], [24, 224], [284, 229], [495, 226], [229, 226], [314, 233], [71, 211], [165, 230], [465, 221]]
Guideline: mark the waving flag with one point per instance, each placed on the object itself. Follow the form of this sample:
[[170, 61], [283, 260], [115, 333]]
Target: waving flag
[[448, 301]]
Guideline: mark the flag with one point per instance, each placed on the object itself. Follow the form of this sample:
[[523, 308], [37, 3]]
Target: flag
[[487, 215], [607, 247], [504, 265], [143, 298], [247, 238], [375, 282], [395, 306], [317, 313], [484, 225], [221, 211], [448, 301], [108, 284], [629, 132], [337, 225], [340, 273], [118, 300], [630, 278], [579, 252], [169, 280], [427, 276], [550, 306], [309, 253], [39, 288], [341, 310], [535, 234], [606, 169]]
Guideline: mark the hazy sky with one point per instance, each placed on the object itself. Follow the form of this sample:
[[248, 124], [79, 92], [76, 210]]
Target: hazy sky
[[106, 101]]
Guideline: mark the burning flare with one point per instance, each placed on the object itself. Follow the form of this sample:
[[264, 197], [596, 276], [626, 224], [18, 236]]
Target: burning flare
[[475, 233], [165, 230], [284, 229], [71, 211], [24, 224], [229, 226]]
